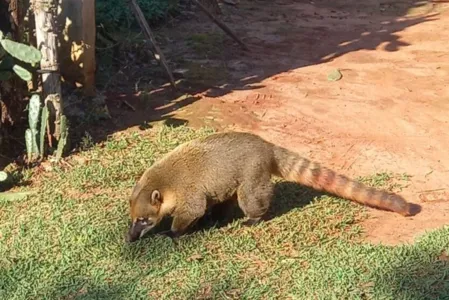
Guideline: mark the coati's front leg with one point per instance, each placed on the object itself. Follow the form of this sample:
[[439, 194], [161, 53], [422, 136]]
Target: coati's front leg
[[186, 216], [180, 225]]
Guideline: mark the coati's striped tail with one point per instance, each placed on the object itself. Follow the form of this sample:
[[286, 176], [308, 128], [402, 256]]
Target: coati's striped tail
[[293, 167]]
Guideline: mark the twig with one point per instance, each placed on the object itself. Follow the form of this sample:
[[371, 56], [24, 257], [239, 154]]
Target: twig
[[220, 24], [146, 28], [128, 104], [431, 191]]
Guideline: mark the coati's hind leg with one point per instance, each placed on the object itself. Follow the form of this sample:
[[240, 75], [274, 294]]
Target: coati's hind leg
[[254, 198]]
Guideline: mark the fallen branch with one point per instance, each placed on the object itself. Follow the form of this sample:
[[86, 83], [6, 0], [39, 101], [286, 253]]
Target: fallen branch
[[220, 24], [159, 56]]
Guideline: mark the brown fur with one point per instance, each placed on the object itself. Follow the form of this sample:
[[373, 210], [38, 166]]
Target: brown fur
[[207, 171]]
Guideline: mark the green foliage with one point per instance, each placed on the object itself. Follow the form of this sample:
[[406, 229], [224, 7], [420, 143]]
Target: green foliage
[[9, 50], [116, 13]]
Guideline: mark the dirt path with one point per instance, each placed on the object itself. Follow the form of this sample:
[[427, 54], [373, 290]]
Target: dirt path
[[389, 112]]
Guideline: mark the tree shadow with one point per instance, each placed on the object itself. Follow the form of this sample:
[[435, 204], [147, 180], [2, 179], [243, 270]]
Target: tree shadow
[[283, 36]]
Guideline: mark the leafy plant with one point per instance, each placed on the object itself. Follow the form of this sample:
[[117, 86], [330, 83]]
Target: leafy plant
[[115, 13], [11, 51]]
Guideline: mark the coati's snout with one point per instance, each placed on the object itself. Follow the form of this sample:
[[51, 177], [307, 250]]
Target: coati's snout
[[138, 229], [144, 211]]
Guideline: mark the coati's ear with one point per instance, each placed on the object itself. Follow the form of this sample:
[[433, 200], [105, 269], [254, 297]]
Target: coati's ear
[[155, 197]]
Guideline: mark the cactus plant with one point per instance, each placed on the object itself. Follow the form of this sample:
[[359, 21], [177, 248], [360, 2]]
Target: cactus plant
[[22, 72], [29, 143], [63, 138], [10, 52], [3, 176], [22, 52], [25, 53], [34, 108], [44, 119]]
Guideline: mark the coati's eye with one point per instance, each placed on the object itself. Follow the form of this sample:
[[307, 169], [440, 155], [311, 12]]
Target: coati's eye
[[155, 196]]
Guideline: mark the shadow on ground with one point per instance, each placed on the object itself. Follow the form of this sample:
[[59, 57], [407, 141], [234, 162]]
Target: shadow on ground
[[283, 35]]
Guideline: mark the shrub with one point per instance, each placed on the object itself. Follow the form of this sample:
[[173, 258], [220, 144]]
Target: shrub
[[116, 13]]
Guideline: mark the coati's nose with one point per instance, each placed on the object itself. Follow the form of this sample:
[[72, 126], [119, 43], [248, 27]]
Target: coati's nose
[[132, 235], [136, 229]]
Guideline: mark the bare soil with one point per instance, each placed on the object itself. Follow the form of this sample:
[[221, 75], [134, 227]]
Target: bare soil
[[389, 111]]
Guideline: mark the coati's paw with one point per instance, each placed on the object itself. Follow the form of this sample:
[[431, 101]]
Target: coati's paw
[[173, 235], [251, 222]]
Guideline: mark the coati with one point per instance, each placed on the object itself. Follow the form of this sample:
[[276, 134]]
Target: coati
[[207, 171]]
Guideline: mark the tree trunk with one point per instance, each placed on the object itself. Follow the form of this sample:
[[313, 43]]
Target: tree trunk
[[45, 12]]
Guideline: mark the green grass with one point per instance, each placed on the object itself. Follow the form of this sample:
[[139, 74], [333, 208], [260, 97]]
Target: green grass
[[67, 242]]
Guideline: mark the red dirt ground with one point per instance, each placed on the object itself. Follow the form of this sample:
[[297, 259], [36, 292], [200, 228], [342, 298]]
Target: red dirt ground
[[389, 112]]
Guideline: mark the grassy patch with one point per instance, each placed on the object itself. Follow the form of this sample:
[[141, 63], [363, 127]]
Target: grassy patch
[[67, 242]]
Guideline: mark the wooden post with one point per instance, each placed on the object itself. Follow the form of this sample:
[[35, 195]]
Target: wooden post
[[77, 43], [89, 34], [46, 37]]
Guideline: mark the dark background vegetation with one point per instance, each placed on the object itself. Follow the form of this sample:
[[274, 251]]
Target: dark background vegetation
[[114, 14]]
